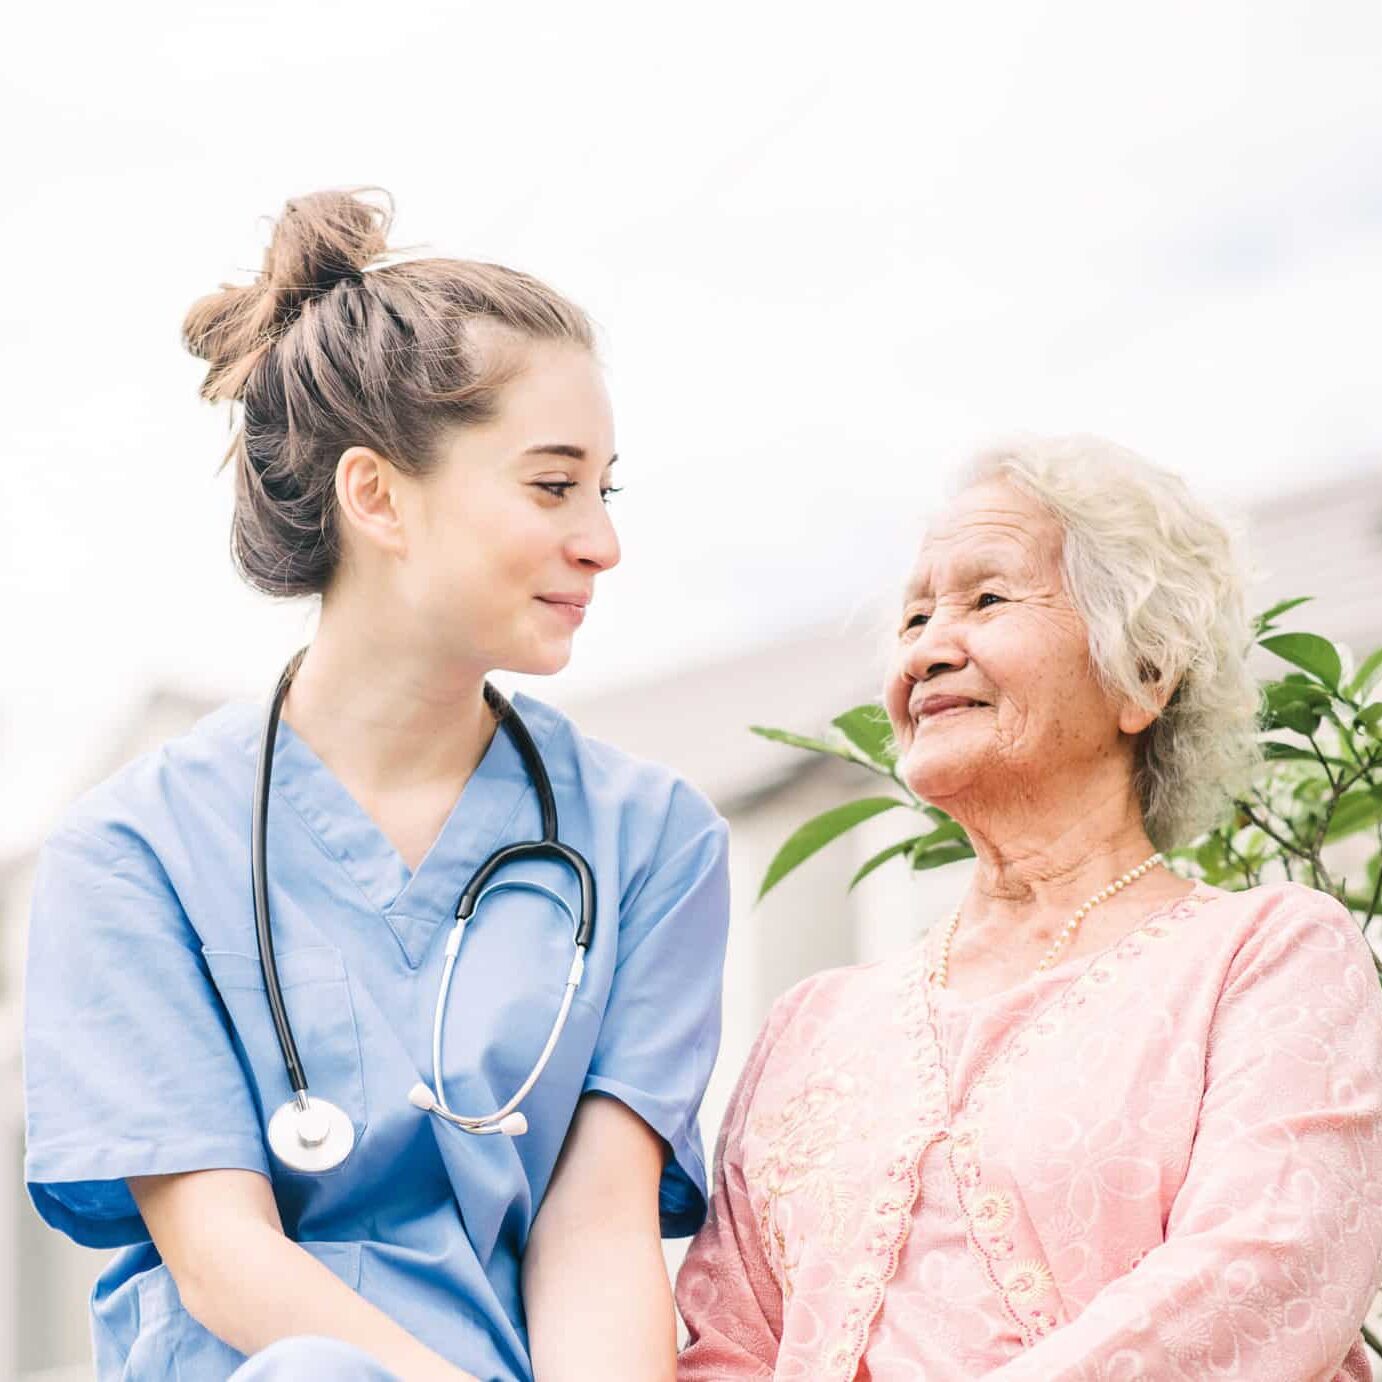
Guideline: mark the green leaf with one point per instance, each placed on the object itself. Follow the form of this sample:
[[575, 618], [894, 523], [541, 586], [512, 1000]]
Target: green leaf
[[1275, 752], [950, 853], [803, 741], [1295, 716], [946, 831], [882, 857], [1295, 688], [1263, 621], [1355, 811], [1309, 651], [1370, 718], [1367, 676], [1294, 705], [868, 729], [1210, 855], [819, 832]]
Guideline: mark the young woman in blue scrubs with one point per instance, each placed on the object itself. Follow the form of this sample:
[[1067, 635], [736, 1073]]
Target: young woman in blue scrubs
[[427, 446]]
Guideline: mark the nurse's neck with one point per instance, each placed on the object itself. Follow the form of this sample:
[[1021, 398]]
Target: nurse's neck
[[402, 733]]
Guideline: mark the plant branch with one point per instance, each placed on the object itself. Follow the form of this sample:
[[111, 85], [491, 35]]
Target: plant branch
[[1362, 772], [1265, 828], [1241, 859], [1324, 763], [1376, 887]]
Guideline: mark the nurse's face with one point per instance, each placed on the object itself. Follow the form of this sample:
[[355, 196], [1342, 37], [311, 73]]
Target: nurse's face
[[506, 536]]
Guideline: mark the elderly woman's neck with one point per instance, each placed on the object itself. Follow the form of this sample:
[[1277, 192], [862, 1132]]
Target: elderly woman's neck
[[1050, 855]]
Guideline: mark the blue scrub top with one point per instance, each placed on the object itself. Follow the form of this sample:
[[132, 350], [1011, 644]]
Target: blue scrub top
[[149, 1046]]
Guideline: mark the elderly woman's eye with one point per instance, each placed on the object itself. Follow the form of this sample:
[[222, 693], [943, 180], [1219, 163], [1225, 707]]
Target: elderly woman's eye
[[988, 595], [914, 621]]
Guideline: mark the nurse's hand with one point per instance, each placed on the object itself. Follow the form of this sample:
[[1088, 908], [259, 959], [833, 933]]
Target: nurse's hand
[[595, 1287], [239, 1277]]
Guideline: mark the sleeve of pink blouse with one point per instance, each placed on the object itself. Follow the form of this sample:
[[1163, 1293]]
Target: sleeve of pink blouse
[[726, 1291], [1273, 1242]]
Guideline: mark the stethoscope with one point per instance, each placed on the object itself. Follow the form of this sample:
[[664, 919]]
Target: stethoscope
[[312, 1134]]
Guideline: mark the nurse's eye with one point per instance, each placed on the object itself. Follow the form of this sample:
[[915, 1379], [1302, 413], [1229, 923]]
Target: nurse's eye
[[608, 490], [556, 488]]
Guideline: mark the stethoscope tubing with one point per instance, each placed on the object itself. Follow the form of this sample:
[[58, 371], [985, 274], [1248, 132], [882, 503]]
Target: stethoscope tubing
[[505, 1119], [259, 882], [489, 1122]]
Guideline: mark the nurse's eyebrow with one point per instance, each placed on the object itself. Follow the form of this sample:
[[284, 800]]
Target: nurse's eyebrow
[[572, 453]]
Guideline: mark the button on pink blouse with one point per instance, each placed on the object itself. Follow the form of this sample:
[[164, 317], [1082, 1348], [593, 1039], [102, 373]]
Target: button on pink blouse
[[1162, 1162]]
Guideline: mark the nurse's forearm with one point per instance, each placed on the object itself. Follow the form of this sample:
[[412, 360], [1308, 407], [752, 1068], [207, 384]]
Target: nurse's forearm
[[595, 1286], [248, 1284], [268, 1288], [601, 1311]]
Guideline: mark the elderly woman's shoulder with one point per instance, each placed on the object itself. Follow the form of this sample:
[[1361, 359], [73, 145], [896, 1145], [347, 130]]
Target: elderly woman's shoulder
[[1278, 903], [1284, 921]]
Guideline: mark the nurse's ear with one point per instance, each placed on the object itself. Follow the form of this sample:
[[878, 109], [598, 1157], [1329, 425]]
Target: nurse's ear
[[367, 494]]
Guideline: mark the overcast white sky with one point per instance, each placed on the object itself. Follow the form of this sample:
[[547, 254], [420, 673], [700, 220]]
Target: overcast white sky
[[829, 248]]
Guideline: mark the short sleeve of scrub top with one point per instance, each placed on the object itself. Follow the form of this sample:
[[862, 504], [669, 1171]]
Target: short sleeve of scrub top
[[657, 1055], [130, 1066]]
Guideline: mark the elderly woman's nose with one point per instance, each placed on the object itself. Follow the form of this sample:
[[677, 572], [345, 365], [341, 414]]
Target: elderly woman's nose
[[937, 647]]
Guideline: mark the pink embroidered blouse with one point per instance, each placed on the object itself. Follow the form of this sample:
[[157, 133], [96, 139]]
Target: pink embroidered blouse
[[1162, 1162]]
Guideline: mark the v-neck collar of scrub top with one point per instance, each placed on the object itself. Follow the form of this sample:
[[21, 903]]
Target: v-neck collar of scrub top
[[413, 904]]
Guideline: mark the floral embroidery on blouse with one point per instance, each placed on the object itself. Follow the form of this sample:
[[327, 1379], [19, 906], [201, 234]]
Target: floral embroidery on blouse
[[1026, 1282], [800, 1142]]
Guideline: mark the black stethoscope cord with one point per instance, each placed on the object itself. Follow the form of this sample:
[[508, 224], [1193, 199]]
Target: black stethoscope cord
[[259, 874]]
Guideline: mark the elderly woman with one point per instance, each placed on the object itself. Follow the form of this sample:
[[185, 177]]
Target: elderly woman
[[1102, 1123]]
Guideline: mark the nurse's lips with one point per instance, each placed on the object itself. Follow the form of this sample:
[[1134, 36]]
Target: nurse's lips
[[570, 607]]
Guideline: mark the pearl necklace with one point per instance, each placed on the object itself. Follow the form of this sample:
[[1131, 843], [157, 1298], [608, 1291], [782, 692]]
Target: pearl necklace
[[942, 971]]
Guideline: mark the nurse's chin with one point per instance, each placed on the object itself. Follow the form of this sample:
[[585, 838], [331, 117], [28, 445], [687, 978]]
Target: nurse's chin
[[543, 659]]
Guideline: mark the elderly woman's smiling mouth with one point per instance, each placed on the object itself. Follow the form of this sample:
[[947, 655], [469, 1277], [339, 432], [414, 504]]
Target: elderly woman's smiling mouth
[[935, 707]]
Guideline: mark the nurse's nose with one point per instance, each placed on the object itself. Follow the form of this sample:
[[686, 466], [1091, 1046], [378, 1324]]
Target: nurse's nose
[[595, 545]]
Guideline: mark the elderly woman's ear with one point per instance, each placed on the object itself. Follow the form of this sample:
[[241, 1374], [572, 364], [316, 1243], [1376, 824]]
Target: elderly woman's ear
[[1136, 717]]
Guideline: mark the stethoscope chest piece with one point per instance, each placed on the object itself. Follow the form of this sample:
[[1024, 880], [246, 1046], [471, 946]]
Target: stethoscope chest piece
[[316, 1138]]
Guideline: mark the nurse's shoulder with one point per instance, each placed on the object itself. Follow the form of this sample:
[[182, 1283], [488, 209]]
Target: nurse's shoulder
[[156, 813], [656, 810]]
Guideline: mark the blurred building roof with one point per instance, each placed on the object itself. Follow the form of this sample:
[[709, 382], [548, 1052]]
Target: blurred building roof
[[1325, 541]]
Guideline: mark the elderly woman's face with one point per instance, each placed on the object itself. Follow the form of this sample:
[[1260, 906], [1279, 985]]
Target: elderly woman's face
[[991, 685]]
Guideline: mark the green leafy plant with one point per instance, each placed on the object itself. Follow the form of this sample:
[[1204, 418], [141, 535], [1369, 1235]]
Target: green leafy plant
[[1316, 797]]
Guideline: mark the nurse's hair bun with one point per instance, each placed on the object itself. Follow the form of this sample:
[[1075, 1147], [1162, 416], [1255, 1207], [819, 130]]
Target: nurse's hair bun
[[318, 241], [323, 356]]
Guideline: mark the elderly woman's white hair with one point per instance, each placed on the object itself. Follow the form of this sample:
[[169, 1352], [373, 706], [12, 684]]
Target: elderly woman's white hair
[[1160, 585]]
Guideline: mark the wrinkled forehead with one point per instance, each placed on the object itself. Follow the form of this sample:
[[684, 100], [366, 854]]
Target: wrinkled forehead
[[990, 529]]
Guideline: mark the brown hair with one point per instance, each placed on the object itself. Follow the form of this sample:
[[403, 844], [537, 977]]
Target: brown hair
[[321, 356]]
